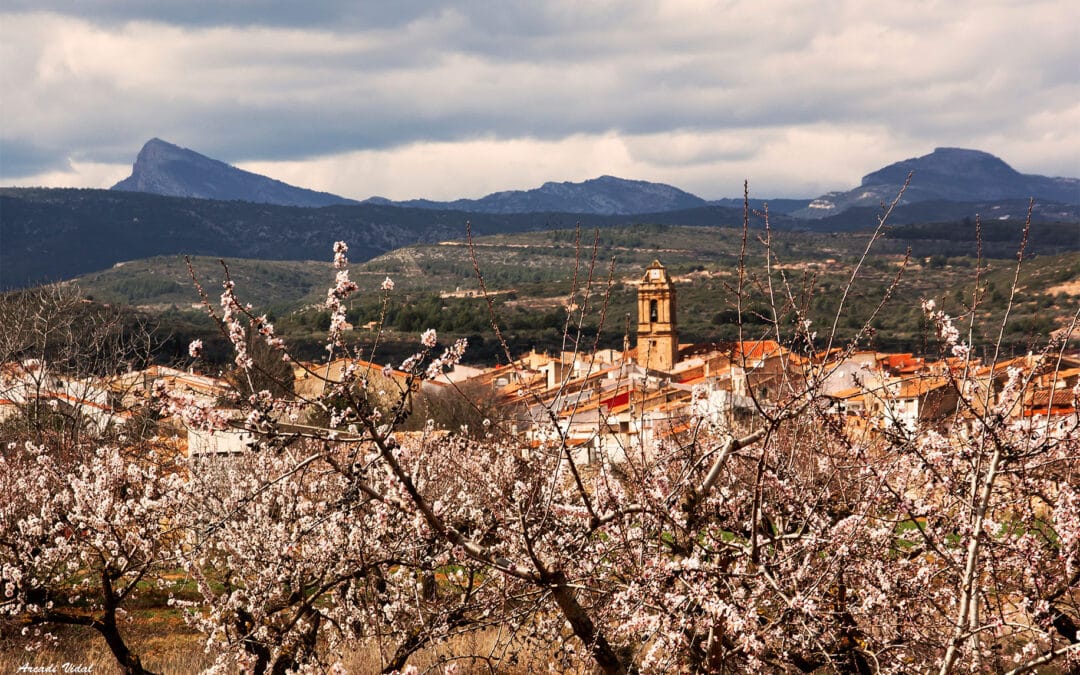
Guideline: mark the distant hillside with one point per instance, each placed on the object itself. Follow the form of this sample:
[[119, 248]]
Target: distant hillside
[[784, 206], [530, 274], [1012, 211], [165, 169], [51, 235], [163, 281], [56, 234], [947, 174], [538, 260], [606, 195]]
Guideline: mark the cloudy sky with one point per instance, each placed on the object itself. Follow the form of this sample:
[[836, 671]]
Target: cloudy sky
[[458, 99]]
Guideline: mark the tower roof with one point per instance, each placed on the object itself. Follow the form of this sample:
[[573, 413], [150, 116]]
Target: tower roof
[[656, 273]]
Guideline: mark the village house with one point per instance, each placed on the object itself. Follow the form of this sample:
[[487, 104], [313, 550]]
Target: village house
[[32, 382], [314, 379]]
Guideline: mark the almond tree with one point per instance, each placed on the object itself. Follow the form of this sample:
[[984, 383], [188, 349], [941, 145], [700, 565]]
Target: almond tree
[[76, 541], [87, 493], [321, 536]]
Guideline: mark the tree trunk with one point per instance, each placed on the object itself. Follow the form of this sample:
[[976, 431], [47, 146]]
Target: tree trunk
[[584, 628], [129, 663]]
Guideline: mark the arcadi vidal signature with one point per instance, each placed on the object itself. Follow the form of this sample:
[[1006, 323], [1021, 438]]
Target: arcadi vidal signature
[[54, 668]]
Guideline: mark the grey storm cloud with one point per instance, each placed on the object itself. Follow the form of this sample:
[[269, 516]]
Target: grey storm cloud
[[279, 81], [201, 13], [21, 158]]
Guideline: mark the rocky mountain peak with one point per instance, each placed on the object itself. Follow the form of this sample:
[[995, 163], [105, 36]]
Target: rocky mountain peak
[[946, 174], [949, 164], [166, 169]]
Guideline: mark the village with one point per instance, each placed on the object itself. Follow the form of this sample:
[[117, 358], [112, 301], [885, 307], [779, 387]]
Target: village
[[608, 403]]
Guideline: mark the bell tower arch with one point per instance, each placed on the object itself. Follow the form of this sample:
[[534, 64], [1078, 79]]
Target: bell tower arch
[[658, 332]]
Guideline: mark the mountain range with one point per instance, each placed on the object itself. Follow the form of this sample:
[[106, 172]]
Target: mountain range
[[946, 174], [210, 208]]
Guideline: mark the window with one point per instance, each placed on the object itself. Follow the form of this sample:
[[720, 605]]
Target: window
[[652, 311]]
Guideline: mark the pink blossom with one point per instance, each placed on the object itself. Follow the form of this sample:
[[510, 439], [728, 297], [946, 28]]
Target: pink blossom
[[343, 287], [231, 313], [340, 260]]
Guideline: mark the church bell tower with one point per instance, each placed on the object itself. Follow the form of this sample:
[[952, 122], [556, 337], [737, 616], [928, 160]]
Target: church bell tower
[[657, 332]]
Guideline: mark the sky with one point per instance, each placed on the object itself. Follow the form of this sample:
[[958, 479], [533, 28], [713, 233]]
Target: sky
[[445, 100]]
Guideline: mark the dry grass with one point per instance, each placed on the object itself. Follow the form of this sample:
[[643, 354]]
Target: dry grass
[[1069, 288], [181, 652], [481, 653], [161, 653]]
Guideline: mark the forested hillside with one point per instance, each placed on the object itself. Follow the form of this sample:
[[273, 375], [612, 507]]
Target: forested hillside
[[57, 234]]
